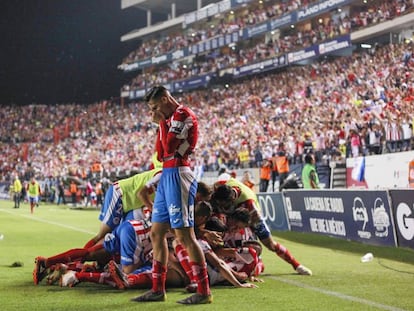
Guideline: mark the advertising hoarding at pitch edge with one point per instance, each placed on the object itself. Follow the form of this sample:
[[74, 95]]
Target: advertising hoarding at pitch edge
[[403, 209], [273, 211], [363, 216]]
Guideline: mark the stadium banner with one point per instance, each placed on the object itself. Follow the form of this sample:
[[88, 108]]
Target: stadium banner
[[304, 54], [178, 54], [156, 60], [358, 215], [185, 85], [208, 11], [258, 29], [273, 210], [403, 209], [338, 43], [385, 171], [213, 43], [138, 65], [262, 66], [235, 3], [137, 94], [314, 9], [284, 20]]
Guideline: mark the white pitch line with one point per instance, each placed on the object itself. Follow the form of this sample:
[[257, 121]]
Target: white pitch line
[[338, 295], [48, 222]]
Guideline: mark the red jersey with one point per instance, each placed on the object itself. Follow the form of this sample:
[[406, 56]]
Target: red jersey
[[177, 137]]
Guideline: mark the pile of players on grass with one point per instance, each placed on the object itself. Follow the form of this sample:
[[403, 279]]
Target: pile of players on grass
[[227, 225]]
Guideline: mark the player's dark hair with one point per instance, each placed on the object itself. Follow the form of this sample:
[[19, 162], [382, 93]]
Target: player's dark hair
[[203, 208], [241, 214], [222, 193], [308, 158], [155, 93], [203, 189], [215, 224]]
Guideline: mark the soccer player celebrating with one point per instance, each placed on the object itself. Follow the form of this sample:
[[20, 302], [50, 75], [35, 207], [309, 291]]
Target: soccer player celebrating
[[129, 198], [130, 240], [231, 194]]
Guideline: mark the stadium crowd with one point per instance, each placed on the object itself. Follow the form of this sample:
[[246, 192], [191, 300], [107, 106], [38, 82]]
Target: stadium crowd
[[266, 46], [360, 16], [347, 106]]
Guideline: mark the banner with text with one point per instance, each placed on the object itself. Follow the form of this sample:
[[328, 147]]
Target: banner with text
[[363, 216], [403, 208]]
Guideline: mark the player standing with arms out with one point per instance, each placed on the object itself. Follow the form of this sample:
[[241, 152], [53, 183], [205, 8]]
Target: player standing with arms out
[[175, 197]]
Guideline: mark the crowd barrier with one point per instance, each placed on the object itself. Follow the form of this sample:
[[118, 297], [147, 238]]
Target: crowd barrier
[[377, 217]]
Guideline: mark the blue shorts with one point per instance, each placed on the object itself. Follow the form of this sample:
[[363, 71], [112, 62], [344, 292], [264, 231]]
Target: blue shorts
[[174, 199], [33, 200], [112, 210]]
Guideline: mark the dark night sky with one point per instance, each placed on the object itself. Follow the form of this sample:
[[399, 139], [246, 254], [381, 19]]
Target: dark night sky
[[60, 51]]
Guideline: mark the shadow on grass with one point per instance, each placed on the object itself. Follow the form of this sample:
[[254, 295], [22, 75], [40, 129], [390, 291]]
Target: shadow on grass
[[393, 253]]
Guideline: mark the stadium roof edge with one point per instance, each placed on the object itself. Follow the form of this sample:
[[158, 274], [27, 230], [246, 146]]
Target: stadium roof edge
[[173, 10], [165, 6], [142, 32]]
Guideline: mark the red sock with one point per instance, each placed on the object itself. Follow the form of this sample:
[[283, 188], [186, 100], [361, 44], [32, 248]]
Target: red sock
[[142, 280], [201, 277], [95, 277], [184, 260], [159, 276], [283, 253], [75, 265], [76, 254], [90, 243]]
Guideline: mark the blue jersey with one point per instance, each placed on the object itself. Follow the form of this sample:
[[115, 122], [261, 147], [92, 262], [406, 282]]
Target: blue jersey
[[132, 241]]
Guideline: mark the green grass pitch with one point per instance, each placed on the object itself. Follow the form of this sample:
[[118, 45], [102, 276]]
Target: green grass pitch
[[340, 280]]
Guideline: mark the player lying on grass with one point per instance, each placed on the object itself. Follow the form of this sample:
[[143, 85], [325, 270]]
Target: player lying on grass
[[131, 240], [220, 271], [231, 194], [125, 199]]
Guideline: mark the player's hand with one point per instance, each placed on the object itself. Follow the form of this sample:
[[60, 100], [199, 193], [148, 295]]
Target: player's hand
[[213, 238], [255, 279], [249, 285]]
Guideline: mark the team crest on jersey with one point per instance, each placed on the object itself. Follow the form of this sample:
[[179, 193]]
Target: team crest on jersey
[[176, 126]]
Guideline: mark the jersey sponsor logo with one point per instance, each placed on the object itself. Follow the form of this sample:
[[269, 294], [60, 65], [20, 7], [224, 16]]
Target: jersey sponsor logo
[[174, 210]]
